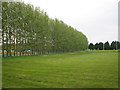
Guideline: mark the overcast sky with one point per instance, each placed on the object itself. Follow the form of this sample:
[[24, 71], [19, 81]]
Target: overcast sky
[[97, 19]]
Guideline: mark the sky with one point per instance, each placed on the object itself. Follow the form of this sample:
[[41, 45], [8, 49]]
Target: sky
[[97, 19]]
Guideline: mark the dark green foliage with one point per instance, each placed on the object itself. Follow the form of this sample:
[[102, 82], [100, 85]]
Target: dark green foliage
[[106, 46], [97, 46], [91, 46], [29, 31], [118, 45], [115, 45], [101, 47]]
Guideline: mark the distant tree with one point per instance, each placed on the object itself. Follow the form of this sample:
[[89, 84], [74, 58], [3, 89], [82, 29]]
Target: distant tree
[[118, 45], [97, 46], [107, 46], [113, 45], [100, 46], [91, 46]]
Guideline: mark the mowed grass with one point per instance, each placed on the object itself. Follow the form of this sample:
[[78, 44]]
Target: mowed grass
[[84, 69]]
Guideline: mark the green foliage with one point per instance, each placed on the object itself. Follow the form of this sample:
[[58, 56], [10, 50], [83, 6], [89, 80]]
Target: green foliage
[[115, 45], [26, 28], [97, 46], [118, 45], [91, 46], [107, 46], [84, 69], [101, 47]]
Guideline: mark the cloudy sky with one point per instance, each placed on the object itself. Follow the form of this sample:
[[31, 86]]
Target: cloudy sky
[[97, 19]]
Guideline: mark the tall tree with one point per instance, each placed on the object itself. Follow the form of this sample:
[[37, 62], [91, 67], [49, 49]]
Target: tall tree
[[26, 28]]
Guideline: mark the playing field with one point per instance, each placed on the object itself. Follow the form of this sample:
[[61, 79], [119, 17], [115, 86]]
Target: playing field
[[84, 69]]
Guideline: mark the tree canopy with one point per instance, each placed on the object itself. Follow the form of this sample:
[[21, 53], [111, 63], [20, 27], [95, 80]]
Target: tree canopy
[[114, 45], [27, 30]]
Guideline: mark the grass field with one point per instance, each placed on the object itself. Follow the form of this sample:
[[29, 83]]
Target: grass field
[[84, 69]]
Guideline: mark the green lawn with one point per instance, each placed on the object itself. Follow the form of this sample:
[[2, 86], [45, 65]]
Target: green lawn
[[84, 69]]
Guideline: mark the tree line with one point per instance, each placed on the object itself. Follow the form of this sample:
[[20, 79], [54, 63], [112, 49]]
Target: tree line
[[28, 30], [115, 45]]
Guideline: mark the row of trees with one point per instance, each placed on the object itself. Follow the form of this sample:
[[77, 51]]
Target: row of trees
[[27, 30], [0, 24], [115, 45]]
